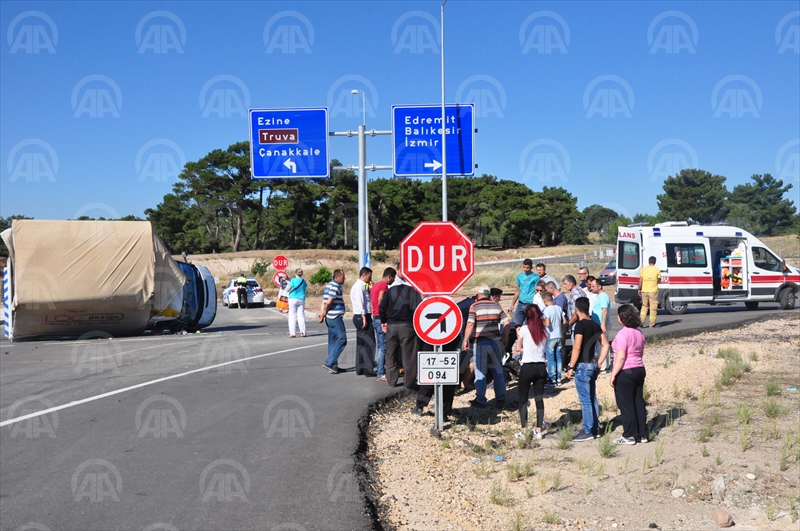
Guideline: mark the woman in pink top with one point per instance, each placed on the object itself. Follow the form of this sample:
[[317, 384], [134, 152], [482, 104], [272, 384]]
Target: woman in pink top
[[627, 376]]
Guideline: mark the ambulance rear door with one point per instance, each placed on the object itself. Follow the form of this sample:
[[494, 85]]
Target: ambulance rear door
[[629, 263], [688, 269]]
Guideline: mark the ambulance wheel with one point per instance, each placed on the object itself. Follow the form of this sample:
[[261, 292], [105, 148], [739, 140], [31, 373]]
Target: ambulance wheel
[[674, 308], [787, 298], [751, 305]]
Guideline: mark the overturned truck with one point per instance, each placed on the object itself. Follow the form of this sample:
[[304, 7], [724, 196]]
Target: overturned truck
[[84, 278]]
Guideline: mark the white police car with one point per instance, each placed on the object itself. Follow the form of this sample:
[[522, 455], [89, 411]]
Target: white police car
[[255, 295]]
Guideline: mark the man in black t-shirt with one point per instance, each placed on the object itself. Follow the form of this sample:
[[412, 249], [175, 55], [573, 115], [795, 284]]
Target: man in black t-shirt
[[583, 368]]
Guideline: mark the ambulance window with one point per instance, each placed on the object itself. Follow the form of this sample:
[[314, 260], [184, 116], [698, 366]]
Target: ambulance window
[[764, 259], [686, 255], [628, 255]]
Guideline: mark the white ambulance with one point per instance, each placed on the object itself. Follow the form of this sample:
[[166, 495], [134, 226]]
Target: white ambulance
[[708, 264]]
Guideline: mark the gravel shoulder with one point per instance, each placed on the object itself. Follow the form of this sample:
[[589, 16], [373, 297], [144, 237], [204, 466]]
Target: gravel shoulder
[[718, 443]]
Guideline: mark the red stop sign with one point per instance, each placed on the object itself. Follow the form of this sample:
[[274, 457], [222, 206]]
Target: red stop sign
[[437, 258], [280, 262]]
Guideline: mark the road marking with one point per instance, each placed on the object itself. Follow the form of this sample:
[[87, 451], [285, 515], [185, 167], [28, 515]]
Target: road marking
[[145, 384]]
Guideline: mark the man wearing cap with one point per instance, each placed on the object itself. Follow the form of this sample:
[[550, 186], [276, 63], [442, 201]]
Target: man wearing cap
[[485, 320]]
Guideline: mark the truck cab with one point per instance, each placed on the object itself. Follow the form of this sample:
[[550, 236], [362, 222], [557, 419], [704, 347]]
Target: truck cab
[[707, 264]]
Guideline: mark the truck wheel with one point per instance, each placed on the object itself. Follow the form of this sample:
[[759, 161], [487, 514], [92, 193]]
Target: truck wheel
[[674, 308], [787, 299], [751, 305]]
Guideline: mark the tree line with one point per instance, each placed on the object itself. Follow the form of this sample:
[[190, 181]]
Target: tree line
[[216, 207]]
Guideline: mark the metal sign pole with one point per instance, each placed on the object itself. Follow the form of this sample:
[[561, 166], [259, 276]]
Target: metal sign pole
[[438, 400], [444, 129]]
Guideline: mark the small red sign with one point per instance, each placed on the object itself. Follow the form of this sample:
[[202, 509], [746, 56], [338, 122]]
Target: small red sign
[[278, 276], [280, 262], [437, 320], [278, 136]]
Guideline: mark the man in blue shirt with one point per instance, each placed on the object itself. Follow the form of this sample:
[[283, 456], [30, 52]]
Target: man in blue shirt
[[333, 315], [601, 315], [523, 296]]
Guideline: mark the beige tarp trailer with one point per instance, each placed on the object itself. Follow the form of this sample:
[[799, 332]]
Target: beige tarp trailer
[[76, 278]]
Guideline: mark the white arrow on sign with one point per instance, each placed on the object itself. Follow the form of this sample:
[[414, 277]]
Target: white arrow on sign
[[292, 166], [435, 165]]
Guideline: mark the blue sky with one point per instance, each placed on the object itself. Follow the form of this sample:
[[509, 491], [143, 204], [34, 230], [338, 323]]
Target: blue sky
[[567, 94]]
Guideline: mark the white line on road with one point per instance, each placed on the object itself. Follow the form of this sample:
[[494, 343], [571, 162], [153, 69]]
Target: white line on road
[[144, 384]]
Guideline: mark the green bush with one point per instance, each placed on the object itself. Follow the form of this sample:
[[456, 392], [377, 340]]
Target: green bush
[[321, 277], [379, 256], [259, 267]]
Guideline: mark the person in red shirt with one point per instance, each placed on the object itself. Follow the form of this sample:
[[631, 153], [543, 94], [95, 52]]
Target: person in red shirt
[[376, 293]]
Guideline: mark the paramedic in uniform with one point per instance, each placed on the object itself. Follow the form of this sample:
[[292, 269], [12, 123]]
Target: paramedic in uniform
[[649, 277]]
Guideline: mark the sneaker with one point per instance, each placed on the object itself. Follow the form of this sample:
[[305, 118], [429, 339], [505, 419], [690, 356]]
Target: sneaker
[[550, 385], [332, 370], [519, 435], [416, 411], [382, 379], [642, 440], [475, 403], [625, 440], [538, 435], [582, 436]]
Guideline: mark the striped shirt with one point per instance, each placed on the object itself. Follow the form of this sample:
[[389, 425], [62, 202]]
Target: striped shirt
[[487, 316], [333, 290]]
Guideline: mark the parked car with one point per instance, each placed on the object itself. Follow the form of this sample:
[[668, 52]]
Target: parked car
[[608, 276], [255, 295]]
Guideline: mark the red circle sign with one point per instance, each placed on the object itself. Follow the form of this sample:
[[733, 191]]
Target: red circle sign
[[437, 258], [437, 320], [280, 262], [278, 276]]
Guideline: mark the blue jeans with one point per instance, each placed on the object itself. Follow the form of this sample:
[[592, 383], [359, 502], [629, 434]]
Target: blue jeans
[[519, 313], [337, 340], [489, 352], [585, 384], [380, 349], [553, 351]]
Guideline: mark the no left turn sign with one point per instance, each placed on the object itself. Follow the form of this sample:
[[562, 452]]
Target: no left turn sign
[[437, 320]]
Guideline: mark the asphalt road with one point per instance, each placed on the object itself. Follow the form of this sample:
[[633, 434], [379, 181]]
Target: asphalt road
[[236, 428]]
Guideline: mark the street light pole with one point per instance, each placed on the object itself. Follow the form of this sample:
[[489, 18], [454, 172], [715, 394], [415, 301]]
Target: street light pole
[[444, 127], [363, 208]]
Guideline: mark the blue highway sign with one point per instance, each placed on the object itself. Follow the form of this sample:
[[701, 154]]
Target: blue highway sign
[[289, 143], [417, 139]]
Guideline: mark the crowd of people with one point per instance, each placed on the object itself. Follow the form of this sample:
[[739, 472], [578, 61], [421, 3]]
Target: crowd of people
[[552, 333]]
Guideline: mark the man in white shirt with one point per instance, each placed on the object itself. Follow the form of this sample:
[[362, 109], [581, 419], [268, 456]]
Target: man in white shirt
[[362, 319], [541, 270]]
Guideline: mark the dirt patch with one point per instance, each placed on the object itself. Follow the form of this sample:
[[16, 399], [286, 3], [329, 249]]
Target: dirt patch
[[718, 442]]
